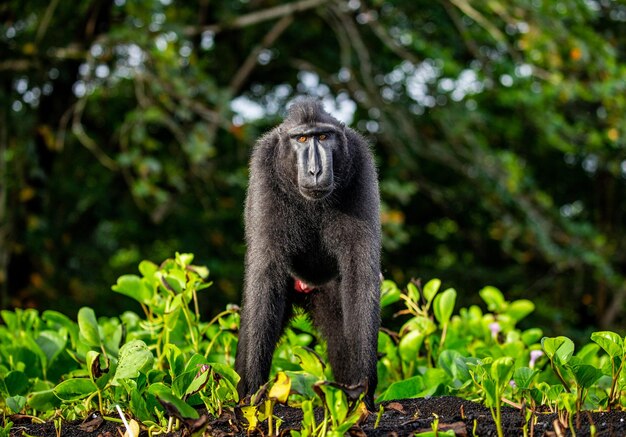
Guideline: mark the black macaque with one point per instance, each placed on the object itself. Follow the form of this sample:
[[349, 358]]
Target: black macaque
[[313, 239]]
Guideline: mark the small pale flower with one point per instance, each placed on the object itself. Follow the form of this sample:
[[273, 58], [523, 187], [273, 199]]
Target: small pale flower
[[534, 356], [495, 329]]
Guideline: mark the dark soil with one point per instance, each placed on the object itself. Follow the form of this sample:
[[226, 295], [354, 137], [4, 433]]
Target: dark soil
[[400, 418]]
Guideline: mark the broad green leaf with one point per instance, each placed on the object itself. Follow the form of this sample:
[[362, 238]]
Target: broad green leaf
[[139, 407], [493, 298], [309, 361], [16, 403], [56, 321], [588, 353], [199, 381], [523, 377], [586, 375], [227, 373], [531, 336], [133, 286], [430, 289], [88, 326], [16, 383], [281, 388], [502, 370], [148, 269], [434, 379], [182, 382], [51, 343], [453, 363], [410, 345], [195, 362], [554, 392], [134, 357], [390, 293], [443, 305], [10, 319], [519, 309], [611, 342], [175, 359], [176, 407], [407, 388], [43, 401], [75, 389], [559, 348], [184, 259], [302, 383], [31, 361]]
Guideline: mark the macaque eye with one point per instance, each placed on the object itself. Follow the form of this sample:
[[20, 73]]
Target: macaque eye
[[302, 139], [323, 137]]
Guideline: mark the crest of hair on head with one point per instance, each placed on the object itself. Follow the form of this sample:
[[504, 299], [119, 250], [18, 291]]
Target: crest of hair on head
[[309, 110]]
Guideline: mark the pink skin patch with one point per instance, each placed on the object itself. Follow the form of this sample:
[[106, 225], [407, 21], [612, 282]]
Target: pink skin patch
[[301, 287]]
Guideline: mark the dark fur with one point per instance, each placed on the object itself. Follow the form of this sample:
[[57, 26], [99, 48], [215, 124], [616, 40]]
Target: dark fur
[[332, 243]]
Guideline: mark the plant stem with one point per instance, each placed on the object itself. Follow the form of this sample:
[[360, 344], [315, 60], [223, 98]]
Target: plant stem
[[561, 379]]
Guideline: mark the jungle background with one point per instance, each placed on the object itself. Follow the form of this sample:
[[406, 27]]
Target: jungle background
[[498, 128]]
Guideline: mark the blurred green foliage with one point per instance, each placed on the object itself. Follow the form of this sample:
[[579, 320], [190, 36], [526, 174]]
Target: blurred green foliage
[[126, 126]]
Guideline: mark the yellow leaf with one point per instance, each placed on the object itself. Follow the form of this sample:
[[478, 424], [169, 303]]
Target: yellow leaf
[[250, 414], [133, 429], [613, 134], [281, 388]]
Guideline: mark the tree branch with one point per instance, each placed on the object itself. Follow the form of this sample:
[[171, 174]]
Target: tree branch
[[250, 62], [256, 17]]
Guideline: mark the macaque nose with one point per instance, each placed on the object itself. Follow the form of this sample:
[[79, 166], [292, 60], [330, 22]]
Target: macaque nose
[[314, 162]]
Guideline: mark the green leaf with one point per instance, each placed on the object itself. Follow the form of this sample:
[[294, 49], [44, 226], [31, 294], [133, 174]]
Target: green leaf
[[182, 382], [559, 348], [228, 375], [139, 407], [390, 293], [430, 289], [407, 388], [148, 269], [523, 377], [16, 403], [309, 361], [443, 305], [75, 389], [134, 357], [412, 292], [199, 381], [175, 359], [453, 363], [51, 343], [519, 309], [88, 326], [531, 336], [493, 298], [176, 407], [16, 383], [586, 375], [184, 259], [410, 345], [133, 286], [502, 371], [43, 401], [611, 342]]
